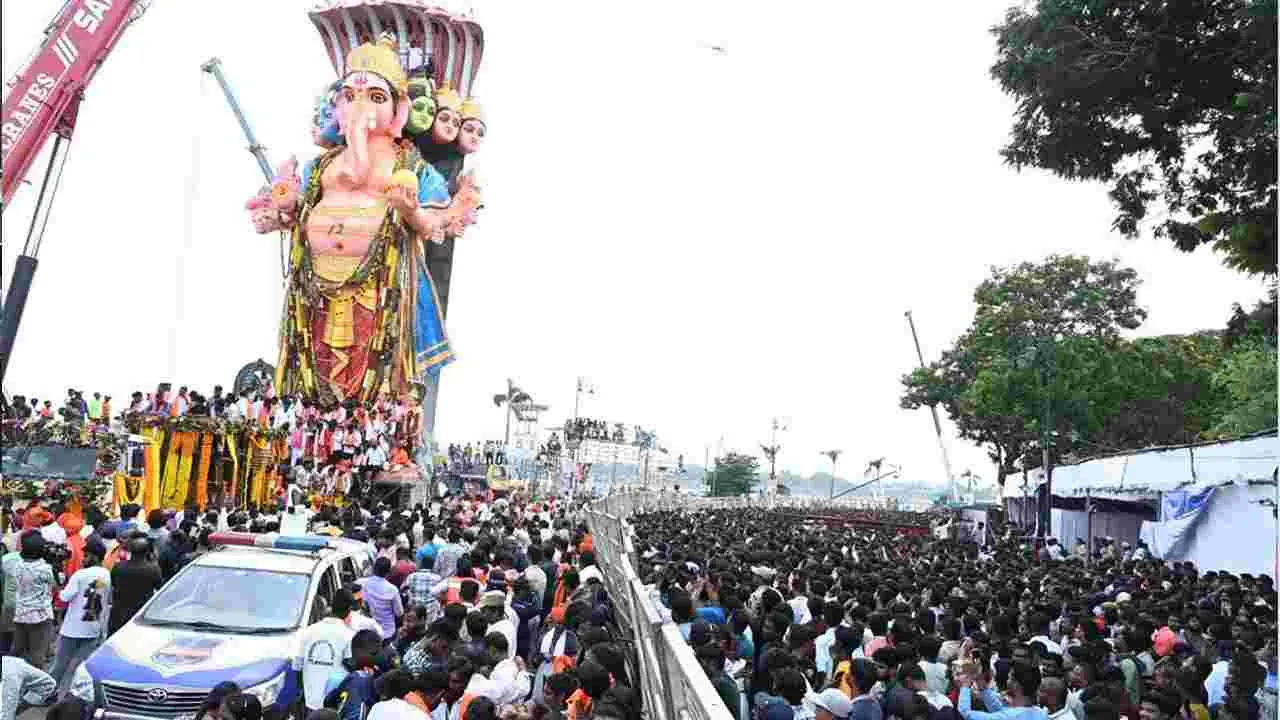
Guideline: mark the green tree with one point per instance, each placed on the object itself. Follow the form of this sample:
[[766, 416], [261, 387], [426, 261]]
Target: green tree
[[1171, 104], [1248, 377], [1036, 329], [734, 474], [1261, 321]]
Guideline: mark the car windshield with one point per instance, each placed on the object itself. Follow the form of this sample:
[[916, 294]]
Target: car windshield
[[231, 599]]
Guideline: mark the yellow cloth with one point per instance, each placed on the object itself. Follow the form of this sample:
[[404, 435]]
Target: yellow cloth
[[261, 452], [173, 490], [202, 474], [339, 327], [151, 469], [233, 450], [127, 491]]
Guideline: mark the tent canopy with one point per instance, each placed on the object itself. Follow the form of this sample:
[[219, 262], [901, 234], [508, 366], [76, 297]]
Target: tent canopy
[[1147, 473]]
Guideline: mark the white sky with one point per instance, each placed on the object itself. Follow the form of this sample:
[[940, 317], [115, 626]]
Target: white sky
[[712, 240]]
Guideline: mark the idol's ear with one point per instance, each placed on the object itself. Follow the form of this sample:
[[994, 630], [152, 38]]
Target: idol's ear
[[402, 116]]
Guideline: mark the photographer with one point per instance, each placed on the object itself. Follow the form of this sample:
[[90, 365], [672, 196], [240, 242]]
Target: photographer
[[88, 593], [33, 610], [133, 582]]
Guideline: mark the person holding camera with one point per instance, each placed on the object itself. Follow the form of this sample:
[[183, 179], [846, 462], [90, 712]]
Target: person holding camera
[[133, 582], [33, 609], [88, 594]]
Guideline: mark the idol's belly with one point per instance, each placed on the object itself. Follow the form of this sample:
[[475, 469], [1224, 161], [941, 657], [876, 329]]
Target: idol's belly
[[344, 230]]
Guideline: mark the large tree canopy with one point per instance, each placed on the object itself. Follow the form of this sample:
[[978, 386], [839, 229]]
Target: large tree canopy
[[1173, 104], [1051, 365]]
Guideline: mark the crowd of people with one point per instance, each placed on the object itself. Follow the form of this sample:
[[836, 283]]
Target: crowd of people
[[473, 610], [332, 452], [588, 429], [484, 610], [478, 455], [794, 620]]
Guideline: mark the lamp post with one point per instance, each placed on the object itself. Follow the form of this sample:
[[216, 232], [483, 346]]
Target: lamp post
[[834, 455], [584, 385], [1040, 354], [512, 396], [771, 451]]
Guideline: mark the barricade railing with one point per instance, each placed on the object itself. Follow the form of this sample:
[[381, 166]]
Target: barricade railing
[[672, 683]]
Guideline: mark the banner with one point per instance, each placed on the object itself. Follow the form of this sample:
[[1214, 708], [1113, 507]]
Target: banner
[[1182, 503], [1181, 510]]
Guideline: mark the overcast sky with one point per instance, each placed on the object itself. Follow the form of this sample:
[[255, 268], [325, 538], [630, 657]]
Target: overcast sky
[[712, 239]]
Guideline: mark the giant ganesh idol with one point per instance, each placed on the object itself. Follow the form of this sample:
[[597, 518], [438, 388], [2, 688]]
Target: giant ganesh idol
[[361, 318]]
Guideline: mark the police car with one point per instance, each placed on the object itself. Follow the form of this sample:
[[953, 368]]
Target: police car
[[235, 613]]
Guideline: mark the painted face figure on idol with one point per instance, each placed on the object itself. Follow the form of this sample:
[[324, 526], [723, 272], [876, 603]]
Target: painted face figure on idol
[[448, 116], [473, 129]]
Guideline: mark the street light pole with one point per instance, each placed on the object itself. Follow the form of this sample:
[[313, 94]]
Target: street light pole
[[1046, 461], [834, 455], [583, 385], [507, 435], [771, 452]]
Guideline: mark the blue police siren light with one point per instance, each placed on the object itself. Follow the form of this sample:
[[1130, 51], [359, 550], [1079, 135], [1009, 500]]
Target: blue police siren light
[[277, 542]]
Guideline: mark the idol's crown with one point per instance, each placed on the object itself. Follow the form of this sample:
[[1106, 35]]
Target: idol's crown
[[381, 59]]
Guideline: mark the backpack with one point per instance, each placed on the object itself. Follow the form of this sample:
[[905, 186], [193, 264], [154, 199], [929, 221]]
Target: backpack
[[353, 697]]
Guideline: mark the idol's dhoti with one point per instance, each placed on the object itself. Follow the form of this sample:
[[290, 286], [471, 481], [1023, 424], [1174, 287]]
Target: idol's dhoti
[[343, 325]]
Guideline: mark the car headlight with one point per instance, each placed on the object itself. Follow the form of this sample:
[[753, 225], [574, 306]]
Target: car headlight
[[82, 684], [268, 691]]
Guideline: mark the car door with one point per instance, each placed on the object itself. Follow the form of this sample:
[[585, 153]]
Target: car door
[[328, 585]]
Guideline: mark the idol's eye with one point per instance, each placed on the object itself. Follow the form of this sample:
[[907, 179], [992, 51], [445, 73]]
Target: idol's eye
[[378, 96], [348, 94]]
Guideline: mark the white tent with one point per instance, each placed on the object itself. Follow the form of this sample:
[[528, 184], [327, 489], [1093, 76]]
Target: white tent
[[1217, 501]]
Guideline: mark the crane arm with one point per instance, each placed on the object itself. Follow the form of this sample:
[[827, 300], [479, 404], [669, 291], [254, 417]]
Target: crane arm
[[43, 97]]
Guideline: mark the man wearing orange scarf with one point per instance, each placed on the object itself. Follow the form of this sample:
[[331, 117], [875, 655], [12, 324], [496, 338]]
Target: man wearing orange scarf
[[72, 524]]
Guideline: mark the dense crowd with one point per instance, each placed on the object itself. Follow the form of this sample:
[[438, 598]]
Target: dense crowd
[[794, 620], [588, 429], [473, 611], [332, 452]]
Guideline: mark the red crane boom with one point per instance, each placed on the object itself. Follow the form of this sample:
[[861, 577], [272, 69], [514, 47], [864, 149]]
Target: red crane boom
[[44, 96], [42, 101]]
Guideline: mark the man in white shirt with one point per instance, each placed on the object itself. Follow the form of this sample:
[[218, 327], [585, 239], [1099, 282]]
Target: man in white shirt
[[509, 682], [1052, 697], [1039, 624], [357, 620], [20, 682], [87, 592], [494, 606], [588, 569], [322, 648], [413, 697], [53, 533]]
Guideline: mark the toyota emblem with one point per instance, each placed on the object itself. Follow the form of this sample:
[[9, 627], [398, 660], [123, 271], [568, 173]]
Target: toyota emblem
[[157, 695]]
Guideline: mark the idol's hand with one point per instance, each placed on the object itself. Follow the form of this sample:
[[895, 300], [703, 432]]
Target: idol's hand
[[266, 220], [402, 200]]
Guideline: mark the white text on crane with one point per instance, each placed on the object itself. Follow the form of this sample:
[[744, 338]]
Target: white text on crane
[[89, 19]]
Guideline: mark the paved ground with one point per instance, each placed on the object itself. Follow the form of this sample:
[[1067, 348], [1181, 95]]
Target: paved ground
[[33, 714]]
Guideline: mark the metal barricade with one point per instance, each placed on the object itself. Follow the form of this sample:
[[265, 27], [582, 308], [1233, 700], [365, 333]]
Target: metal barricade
[[672, 683]]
